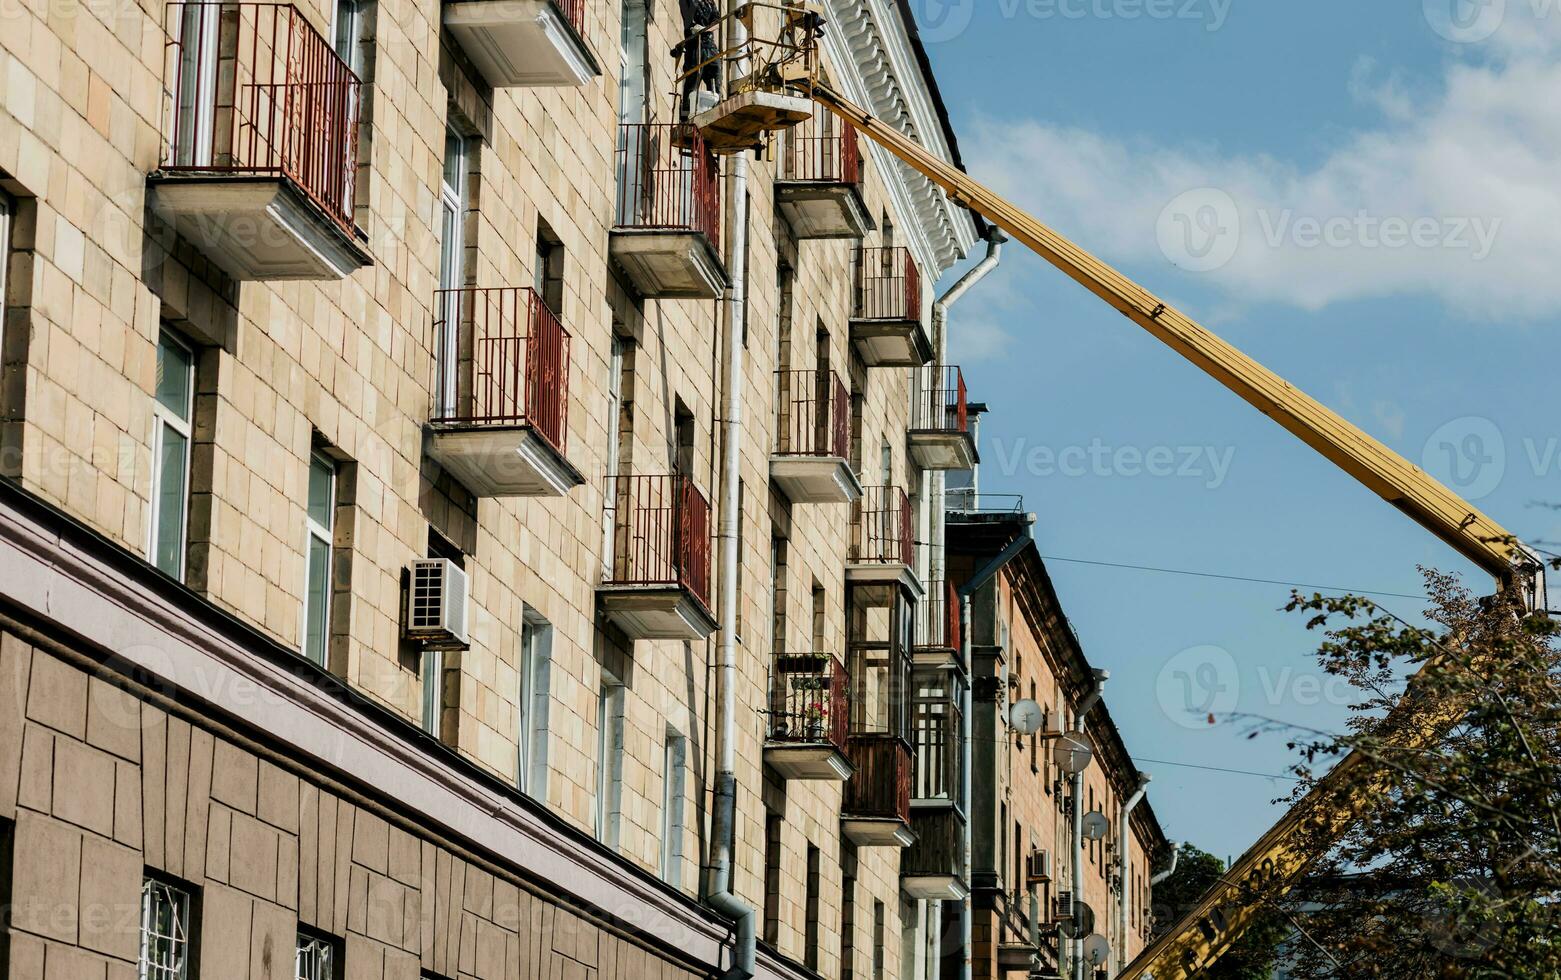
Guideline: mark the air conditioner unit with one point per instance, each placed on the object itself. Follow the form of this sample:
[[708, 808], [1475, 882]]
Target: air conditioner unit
[[1040, 866], [1064, 910], [435, 604]]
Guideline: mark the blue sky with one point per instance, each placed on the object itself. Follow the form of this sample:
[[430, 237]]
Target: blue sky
[[1365, 197]]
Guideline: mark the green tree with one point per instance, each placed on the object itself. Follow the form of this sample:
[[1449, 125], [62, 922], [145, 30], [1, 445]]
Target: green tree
[[1456, 873], [1254, 955]]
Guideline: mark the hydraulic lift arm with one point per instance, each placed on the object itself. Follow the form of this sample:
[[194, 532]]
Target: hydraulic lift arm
[[1309, 829]]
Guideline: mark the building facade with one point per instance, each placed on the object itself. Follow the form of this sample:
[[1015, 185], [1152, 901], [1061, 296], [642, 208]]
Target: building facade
[[405, 417], [1057, 858]]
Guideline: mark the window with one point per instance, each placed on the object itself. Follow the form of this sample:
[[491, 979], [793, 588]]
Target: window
[[634, 44], [810, 925], [609, 759], [878, 943], [620, 432], [346, 31], [172, 410], [197, 74], [536, 657], [167, 931], [549, 270], [452, 260], [772, 876], [847, 910], [317, 586], [672, 795], [319, 957], [886, 462], [433, 690], [5, 252]]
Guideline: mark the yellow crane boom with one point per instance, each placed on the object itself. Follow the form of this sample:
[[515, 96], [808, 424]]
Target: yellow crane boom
[[1315, 824]]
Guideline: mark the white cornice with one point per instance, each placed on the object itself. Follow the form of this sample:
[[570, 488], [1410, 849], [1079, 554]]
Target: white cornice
[[873, 64]]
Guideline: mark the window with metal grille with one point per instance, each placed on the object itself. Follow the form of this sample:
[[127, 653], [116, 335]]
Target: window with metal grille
[[319, 957], [167, 929]]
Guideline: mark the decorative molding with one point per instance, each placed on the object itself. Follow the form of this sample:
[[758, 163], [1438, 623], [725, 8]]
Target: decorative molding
[[874, 64]]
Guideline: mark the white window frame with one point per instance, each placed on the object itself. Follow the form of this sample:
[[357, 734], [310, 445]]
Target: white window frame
[[194, 149], [164, 419], [452, 260], [6, 210], [314, 531], [347, 22], [432, 677], [609, 759], [154, 893], [323, 958], [532, 705], [674, 794], [614, 435]]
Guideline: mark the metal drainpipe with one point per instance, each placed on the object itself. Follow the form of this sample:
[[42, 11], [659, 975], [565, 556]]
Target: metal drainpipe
[[977, 581], [1176, 853], [1076, 947], [938, 558], [724, 819], [1124, 839], [940, 320]]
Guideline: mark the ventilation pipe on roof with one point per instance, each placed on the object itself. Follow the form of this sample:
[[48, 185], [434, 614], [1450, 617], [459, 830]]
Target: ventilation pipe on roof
[[724, 820]]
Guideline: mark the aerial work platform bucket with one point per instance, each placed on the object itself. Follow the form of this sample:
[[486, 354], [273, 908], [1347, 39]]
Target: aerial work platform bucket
[[773, 69]]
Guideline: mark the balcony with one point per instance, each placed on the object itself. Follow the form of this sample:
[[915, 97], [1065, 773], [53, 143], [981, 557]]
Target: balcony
[[524, 43], [809, 718], [819, 184], [939, 437], [886, 327], [261, 147], [813, 433], [658, 586], [500, 422], [876, 810], [934, 866], [666, 234], [883, 547], [938, 640]]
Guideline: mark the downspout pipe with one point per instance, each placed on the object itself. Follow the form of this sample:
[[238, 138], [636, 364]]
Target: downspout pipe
[[724, 819], [1076, 947], [1124, 840], [1176, 853], [982, 576], [995, 240]]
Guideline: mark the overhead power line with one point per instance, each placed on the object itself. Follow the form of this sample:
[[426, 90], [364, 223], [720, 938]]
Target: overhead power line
[[1234, 772], [1229, 578]]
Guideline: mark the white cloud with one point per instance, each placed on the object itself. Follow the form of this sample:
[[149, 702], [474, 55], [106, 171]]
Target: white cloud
[[979, 339], [1455, 196]]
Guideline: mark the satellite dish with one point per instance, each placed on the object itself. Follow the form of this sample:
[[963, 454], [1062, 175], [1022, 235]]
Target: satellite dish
[[1096, 826], [1073, 753], [1097, 949], [1081, 924], [1026, 716]]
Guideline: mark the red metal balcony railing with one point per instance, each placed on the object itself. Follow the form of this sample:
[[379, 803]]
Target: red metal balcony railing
[[944, 407], [810, 699], [257, 91], [668, 180], [815, 414], [574, 12], [661, 533], [502, 358], [882, 784], [816, 155], [939, 627], [888, 285], [881, 527]]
